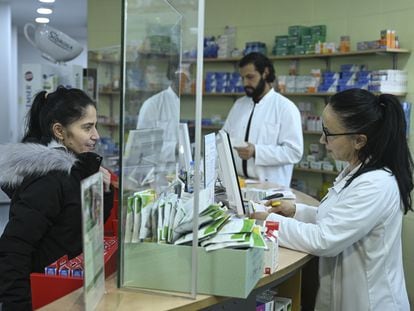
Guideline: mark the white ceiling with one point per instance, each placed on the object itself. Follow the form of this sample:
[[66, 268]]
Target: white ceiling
[[69, 16]]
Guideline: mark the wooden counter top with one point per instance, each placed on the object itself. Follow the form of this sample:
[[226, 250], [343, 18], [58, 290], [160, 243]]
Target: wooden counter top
[[124, 300]]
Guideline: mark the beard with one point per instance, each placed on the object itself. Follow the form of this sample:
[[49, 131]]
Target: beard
[[255, 92]]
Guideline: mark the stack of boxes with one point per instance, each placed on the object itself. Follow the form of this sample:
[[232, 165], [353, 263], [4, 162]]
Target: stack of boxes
[[223, 82], [271, 255], [300, 40], [300, 83], [353, 76], [350, 76], [210, 47], [388, 81], [388, 40], [256, 46], [226, 42], [357, 76], [269, 301]]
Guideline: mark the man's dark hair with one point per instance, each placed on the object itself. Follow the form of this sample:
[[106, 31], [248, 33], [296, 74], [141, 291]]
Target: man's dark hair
[[260, 62]]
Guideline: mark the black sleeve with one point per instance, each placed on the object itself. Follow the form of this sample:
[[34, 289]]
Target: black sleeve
[[31, 215], [7, 190]]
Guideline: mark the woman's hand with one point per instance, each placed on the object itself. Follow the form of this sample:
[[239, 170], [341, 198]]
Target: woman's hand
[[283, 207], [106, 178]]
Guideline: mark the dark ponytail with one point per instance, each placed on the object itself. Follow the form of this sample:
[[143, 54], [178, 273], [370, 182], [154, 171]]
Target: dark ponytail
[[33, 130], [381, 119], [63, 106]]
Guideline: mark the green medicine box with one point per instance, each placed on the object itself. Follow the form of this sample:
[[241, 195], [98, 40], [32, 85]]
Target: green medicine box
[[225, 272]]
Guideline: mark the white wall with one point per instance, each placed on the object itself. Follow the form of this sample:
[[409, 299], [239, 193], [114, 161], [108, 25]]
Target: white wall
[[14, 91], [28, 54], [6, 76], [15, 50]]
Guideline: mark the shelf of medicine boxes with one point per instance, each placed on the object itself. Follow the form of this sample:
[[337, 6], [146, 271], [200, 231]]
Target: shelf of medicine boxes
[[311, 170], [389, 51], [243, 94], [287, 94], [101, 118]]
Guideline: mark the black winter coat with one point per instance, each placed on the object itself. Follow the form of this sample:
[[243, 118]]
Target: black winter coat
[[45, 213]]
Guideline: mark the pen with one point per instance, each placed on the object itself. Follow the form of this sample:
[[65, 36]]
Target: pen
[[273, 196], [276, 203]]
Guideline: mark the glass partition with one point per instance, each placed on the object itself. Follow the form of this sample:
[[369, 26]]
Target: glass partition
[[156, 36]]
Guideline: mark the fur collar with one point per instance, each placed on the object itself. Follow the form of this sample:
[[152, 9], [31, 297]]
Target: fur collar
[[20, 160]]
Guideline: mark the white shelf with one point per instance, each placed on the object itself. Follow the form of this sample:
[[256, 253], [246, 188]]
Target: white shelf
[[306, 56]]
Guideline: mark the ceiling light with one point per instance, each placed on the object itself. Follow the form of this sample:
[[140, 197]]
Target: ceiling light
[[44, 11], [47, 1], [42, 20]]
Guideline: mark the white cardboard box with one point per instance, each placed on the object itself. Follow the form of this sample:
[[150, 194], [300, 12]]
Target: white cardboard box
[[271, 257], [286, 302]]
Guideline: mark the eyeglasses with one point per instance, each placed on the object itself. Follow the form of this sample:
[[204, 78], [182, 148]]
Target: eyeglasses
[[327, 134]]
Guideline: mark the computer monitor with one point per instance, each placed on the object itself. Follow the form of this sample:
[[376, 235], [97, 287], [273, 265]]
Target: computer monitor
[[184, 147], [228, 173]]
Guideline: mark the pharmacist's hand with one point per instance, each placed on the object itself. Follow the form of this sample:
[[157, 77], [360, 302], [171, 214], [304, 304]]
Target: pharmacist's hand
[[246, 152], [259, 215], [106, 178], [283, 207]]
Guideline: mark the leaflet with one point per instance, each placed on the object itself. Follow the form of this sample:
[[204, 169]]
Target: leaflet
[[238, 225], [129, 221], [253, 239], [205, 231]]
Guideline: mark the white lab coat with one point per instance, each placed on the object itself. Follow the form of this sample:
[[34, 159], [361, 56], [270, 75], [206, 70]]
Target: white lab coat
[[162, 110], [276, 132], [356, 231]]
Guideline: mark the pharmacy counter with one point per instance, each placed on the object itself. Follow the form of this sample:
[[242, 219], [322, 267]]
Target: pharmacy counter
[[290, 263], [287, 278]]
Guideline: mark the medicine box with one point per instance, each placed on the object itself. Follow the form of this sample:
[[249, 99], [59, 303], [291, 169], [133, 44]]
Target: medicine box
[[285, 302], [224, 272], [271, 257]]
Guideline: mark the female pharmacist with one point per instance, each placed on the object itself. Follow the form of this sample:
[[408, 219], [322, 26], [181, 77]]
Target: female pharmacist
[[42, 177], [356, 230]]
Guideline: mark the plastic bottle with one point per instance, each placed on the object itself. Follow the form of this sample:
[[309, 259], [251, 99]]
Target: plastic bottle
[[397, 42]]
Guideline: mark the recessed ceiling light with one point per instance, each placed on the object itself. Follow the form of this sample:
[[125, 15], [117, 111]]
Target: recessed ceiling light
[[44, 11], [42, 20], [47, 1]]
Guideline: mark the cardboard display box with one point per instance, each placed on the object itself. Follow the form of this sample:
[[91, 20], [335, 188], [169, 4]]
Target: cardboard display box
[[224, 272], [48, 288]]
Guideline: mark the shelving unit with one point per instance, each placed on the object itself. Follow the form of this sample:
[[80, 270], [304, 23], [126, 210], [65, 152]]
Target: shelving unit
[[327, 57], [327, 63], [108, 100]]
